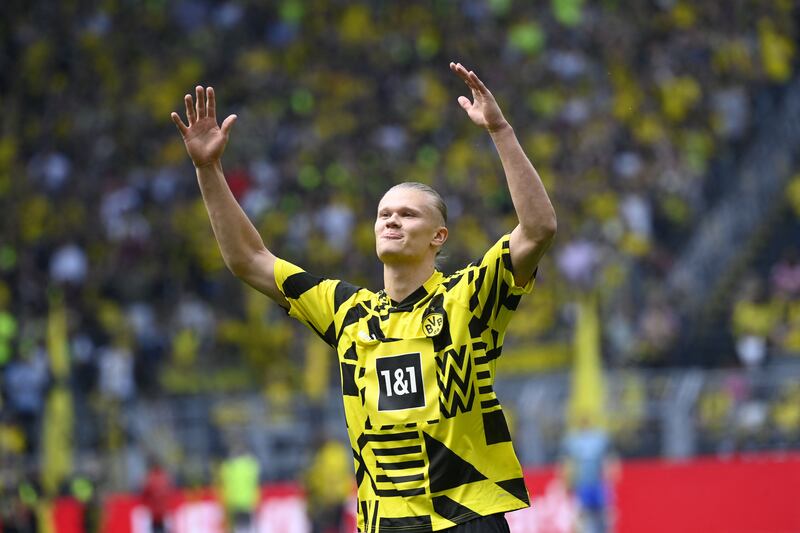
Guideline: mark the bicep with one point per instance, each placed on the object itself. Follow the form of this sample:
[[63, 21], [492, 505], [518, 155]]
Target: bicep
[[525, 255], [260, 274]]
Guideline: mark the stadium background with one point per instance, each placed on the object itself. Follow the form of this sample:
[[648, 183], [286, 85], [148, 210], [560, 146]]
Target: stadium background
[[666, 132]]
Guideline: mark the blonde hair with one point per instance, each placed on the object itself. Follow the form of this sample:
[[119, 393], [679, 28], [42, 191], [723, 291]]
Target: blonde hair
[[438, 201]]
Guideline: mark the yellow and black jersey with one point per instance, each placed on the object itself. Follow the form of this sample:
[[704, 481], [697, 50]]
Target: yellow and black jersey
[[431, 445]]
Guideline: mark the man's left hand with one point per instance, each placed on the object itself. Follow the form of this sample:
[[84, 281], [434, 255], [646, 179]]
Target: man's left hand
[[483, 110]]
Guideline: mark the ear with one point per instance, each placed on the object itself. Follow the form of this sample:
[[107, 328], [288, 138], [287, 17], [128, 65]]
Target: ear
[[440, 236]]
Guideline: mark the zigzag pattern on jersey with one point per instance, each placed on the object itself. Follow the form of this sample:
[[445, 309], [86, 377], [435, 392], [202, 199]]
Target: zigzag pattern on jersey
[[454, 377]]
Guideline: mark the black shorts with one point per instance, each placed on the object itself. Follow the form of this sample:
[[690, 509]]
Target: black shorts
[[495, 523]]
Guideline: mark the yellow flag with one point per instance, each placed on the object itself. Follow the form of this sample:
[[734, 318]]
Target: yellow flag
[[587, 397], [58, 413]]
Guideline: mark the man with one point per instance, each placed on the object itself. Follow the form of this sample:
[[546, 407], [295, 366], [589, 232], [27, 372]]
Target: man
[[590, 468], [431, 445]]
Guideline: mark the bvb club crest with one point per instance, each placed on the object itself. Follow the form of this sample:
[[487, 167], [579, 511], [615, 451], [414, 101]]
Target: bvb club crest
[[432, 324]]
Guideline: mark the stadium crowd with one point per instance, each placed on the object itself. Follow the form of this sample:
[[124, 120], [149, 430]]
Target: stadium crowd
[[624, 108]]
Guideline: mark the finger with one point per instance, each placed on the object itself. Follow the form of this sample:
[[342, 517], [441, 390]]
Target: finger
[[476, 81], [464, 102], [459, 70], [179, 123], [190, 116], [200, 102], [211, 103], [227, 124], [466, 75]]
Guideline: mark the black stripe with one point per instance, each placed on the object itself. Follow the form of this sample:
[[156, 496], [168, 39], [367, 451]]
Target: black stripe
[[512, 302], [351, 317], [501, 298], [388, 437], [409, 524], [373, 525], [361, 469], [485, 389], [495, 427], [380, 478], [385, 437], [342, 293], [375, 522], [374, 327], [507, 260], [351, 354], [490, 303], [330, 335], [402, 465], [387, 427], [483, 374], [411, 425], [455, 512], [516, 487], [409, 301], [365, 513], [349, 387], [398, 451], [474, 301], [491, 355], [453, 281], [295, 285], [494, 402], [400, 492]]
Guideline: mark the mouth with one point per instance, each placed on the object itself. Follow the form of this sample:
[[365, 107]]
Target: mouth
[[392, 236]]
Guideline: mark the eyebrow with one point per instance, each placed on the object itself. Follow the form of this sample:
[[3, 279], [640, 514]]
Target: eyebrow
[[400, 208]]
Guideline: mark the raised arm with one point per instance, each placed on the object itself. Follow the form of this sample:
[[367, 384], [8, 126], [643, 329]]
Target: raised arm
[[242, 248], [537, 219]]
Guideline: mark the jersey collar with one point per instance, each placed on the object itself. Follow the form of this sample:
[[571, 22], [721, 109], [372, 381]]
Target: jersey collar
[[410, 301]]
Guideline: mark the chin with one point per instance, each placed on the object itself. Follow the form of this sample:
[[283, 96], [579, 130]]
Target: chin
[[389, 255]]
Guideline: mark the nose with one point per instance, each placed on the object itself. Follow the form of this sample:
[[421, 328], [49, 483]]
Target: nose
[[393, 221]]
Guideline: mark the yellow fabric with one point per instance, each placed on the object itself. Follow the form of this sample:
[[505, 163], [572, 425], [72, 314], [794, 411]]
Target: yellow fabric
[[239, 483], [58, 412], [329, 479], [588, 387], [753, 318], [431, 444]]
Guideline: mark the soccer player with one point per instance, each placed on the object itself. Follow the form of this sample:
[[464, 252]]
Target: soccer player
[[431, 445]]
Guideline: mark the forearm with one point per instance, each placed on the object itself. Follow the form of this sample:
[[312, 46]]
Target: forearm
[[238, 239], [536, 215]]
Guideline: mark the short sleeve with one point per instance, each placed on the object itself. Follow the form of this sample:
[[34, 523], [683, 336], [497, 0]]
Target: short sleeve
[[313, 300], [492, 293]]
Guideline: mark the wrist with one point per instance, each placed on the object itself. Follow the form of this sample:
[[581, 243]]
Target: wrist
[[499, 128], [207, 164]]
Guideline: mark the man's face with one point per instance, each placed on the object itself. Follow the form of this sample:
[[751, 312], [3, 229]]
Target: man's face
[[408, 226]]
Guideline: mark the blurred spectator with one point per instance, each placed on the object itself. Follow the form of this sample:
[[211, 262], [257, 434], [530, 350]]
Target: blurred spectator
[[157, 493], [25, 380], [18, 509], [329, 487], [785, 274], [590, 467], [755, 320], [659, 327], [239, 487]]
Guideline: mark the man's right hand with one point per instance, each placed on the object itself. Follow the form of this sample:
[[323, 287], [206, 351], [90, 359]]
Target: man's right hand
[[204, 139]]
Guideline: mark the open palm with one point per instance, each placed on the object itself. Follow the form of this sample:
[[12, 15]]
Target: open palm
[[205, 140], [483, 110]]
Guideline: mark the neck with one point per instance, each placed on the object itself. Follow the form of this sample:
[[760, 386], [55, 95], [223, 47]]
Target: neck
[[400, 280]]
